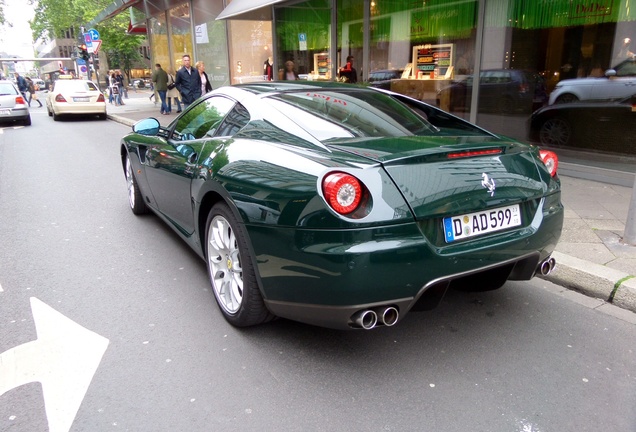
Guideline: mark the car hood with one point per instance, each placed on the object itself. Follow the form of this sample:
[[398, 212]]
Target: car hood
[[453, 175], [580, 81]]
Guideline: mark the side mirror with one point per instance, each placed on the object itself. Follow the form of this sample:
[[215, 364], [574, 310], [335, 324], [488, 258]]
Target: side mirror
[[149, 127], [610, 73]]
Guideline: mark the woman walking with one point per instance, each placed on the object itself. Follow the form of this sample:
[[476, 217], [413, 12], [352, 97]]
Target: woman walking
[[206, 86], [32, 94], [172, 92]]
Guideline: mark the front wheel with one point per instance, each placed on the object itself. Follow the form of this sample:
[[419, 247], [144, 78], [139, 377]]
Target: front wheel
[[555, 132], [566, 98], [135, 198], [231, 270]]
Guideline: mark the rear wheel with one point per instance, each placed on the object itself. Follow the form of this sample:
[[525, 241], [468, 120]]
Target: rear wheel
[[231, 270], [566, 98], [103, 116], [27, 121], [555, 132], [136, 200], [56, 117]]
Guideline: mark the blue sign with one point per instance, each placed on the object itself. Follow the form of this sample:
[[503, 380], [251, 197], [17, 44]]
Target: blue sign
[[87, 40], [81, 62], [94, 34], [302, 37]]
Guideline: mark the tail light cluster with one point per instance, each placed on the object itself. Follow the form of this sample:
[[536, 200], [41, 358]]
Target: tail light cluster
[[550, 160], [59, 98], [344, 193], [19, 100], [100, 98]]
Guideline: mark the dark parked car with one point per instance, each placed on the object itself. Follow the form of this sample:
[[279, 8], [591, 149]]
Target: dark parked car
[[502, 91], [382, 78], [342, 206], [605, 126]]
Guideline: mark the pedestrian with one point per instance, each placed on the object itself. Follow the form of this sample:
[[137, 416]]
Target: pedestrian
[[32, 94], [348, 72], [173, 93], [114, 88], [122, 87], [22, 85], [160, 78], [290, 73], [206, 86], [188, 82], [111, 96]]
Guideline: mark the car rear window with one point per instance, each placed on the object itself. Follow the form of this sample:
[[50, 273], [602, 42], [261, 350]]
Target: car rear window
[[7, 89], [328, 114], [74, 85]]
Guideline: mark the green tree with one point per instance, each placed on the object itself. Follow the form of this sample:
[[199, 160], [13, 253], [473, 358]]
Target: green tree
[[54, 17]]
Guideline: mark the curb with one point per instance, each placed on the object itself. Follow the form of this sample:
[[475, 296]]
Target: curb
[[594, 280], [120, 119]]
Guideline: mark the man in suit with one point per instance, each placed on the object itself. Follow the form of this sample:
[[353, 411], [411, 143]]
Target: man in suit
[[160, 78], [188, 82]]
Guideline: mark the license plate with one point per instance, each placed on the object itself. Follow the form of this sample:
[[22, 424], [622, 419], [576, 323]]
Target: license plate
[[483, 222], [80, 99], [5, 112]]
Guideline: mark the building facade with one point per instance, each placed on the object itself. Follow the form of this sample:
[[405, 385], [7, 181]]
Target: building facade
[[432, 48]]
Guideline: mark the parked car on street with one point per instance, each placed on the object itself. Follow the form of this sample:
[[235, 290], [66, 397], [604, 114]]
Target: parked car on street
[[13, 107], [594, 125], [342, 206], [382, 78], [73, 97], [503, 91], [618, 82]]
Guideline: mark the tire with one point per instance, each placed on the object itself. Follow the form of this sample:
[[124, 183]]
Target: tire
[[103, 116], [135, 199], [56, 117], [566, 98], [555, 132], [231, 270], [505, 105], [27, 121], [49, 112]]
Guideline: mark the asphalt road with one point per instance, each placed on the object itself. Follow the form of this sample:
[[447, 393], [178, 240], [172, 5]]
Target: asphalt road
[[155, 354]]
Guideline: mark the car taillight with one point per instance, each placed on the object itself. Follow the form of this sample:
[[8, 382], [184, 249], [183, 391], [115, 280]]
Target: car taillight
[[550, 160], [342, 191], [100, 98], [523, 88], [59, 98], [19, 100]]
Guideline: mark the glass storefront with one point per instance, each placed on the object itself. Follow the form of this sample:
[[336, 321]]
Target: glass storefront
[[430, 50]]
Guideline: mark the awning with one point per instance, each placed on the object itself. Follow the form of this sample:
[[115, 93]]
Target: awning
[[255, 10], [114, 9]]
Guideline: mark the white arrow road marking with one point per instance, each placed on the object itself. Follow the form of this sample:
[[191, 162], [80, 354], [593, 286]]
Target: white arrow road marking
[[63, 358]]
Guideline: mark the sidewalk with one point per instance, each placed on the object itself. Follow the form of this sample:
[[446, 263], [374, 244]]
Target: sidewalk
[[590, 255]]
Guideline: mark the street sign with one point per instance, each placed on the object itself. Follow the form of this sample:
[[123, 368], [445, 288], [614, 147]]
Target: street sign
[[87, 40], [94, 48], [302, 41], [94, 34]]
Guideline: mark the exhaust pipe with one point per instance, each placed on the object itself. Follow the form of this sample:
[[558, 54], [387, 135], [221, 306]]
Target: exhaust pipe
[[388, 316], [547, 266], [366, 319]]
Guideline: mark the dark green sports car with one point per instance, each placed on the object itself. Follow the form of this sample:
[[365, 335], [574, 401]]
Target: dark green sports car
[[343, 206]]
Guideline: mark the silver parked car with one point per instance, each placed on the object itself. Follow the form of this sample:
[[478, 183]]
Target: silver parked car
[[618, 83], [13, 107]]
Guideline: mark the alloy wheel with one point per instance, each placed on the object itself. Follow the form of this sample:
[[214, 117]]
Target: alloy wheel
[[225, 264], [555, 132]]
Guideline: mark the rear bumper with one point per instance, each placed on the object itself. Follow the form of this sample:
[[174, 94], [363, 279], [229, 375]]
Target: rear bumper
[[79, 109], [15, 114], [324, 277]]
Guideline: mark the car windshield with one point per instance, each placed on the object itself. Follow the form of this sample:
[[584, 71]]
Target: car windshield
[[329, 114], [7, 89]]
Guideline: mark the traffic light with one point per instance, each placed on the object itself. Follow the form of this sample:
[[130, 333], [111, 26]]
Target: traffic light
[[83, 52]]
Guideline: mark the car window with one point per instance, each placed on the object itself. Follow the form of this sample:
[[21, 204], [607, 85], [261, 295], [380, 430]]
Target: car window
[[74, 85], [234, 121], [203, 119], [7, 89], [626, 69], [349, 113]]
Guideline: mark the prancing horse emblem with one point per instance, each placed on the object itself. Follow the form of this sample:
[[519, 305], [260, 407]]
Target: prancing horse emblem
[[488, 183]]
